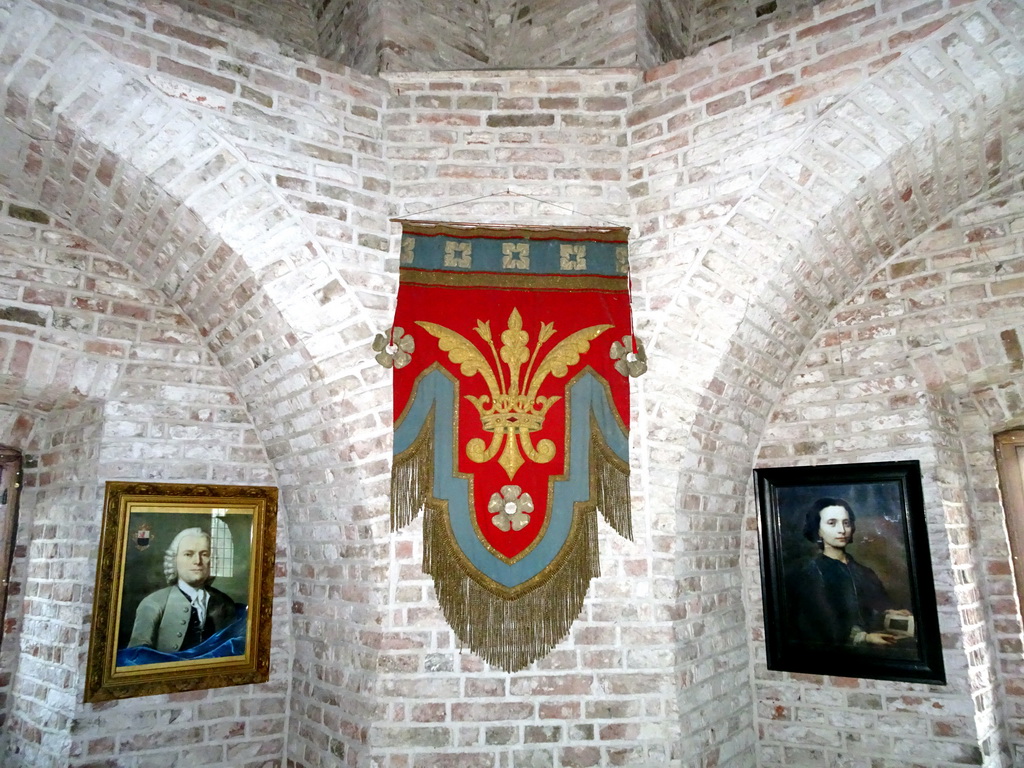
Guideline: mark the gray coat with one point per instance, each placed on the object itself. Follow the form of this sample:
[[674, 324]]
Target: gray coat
[[162, 617]]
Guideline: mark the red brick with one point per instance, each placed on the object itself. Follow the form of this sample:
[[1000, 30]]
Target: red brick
[[647, 114], [771, 85], [842, 59], [579, 757], [725, 104], [724, 84], [496, 712], [837, 23], [194, 75], [811, 90], [187, 35]]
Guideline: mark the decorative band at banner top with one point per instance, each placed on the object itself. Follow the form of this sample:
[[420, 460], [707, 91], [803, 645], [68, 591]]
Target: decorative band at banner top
[[519, 250]]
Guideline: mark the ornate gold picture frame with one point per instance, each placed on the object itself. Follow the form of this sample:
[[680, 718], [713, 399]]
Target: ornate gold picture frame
[[184, 589]]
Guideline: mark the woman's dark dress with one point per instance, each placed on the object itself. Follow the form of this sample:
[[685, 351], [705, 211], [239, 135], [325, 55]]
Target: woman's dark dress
[[830, 598]]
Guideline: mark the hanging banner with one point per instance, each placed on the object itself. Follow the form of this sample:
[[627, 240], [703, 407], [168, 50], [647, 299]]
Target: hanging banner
[[512, 350]]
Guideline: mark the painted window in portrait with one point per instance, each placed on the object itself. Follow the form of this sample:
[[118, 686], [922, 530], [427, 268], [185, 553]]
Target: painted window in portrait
[[846, 572], [222, 555], [183, 589]]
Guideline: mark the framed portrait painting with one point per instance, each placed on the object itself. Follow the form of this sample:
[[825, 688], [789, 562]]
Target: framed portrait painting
[[846, 573], [184, 589]]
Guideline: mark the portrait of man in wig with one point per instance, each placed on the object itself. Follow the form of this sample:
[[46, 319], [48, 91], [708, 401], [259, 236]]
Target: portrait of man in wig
[[189, 610]]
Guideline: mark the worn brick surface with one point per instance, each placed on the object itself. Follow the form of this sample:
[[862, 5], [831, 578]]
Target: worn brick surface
[[411, 35], [904, 384], [117, 384], [241, 191]]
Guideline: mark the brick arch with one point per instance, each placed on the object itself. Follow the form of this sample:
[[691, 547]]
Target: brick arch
[[41, 377], [865, 179], [91, 362], [880, 167], [15, 427], [113, 158], [985, 368], [981, 379], [117, 161], [44, 368], [924, 360]]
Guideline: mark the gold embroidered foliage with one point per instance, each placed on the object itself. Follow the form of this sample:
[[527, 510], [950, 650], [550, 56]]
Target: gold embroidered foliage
[[506, 412]]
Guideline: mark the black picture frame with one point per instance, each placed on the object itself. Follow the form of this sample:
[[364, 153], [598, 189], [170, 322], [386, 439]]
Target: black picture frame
[[812, 601]]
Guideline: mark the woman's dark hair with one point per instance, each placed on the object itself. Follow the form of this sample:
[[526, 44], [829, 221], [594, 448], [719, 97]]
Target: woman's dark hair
[[812, 520]]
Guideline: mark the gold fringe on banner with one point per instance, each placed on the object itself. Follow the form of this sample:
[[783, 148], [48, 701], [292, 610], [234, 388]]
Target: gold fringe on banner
[[609, 485], [412, 476], [612, 233], [511, 631]]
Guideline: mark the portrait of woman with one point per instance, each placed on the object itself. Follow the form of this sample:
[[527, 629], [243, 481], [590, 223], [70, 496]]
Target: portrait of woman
[[835, 599]]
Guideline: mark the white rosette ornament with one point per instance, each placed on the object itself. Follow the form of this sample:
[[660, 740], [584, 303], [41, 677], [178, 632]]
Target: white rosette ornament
[[627, 361], [511, 508], [393, 348]]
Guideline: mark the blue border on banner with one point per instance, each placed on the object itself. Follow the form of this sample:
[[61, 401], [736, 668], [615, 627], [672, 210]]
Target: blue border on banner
[[587, 401]]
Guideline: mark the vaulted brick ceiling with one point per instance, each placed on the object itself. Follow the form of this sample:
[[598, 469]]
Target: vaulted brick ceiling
[[429, 35]]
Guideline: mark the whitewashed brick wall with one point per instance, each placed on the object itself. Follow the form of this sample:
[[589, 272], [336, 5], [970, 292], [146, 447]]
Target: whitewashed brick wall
[[763, 181], [63, 502], [543, 148], [411, 35], [763, 196], [115, 384], [896, 374], [289, 22]]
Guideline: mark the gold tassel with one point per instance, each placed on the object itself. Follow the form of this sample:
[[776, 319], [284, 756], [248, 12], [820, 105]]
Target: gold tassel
[[412, 476], [511, 634], [609, 485]]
